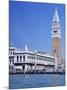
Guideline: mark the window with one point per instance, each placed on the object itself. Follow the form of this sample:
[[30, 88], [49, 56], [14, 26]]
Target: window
[[23, 58], [13, 61], [20, 58], [11, 53], [9, 67], [17, 58], [34, 57], [55, 31], [28, 57], [10, 61], [54, 50]]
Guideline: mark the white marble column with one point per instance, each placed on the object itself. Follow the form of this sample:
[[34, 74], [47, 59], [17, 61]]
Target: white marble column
[[56, 62], [26, 61], [19, 59], [22, 59], [15, 59], [25, 67]]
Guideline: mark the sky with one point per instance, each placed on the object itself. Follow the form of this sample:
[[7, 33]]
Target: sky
[[30, 24]]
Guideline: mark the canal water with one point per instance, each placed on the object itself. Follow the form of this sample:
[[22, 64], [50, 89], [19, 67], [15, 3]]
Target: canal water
[[35, 80]]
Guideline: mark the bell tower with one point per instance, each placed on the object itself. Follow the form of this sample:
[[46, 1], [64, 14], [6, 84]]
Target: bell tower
[[56, 37]]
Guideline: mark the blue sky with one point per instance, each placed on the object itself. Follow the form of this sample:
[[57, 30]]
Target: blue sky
[[30, 24]]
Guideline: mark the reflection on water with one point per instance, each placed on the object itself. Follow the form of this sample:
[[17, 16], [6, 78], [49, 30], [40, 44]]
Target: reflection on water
[[35, 80]]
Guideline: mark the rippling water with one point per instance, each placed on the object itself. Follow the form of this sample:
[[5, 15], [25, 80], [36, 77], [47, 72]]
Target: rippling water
[[35, 80]]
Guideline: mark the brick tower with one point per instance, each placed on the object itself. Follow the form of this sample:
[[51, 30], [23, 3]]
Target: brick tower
[[56, 36]]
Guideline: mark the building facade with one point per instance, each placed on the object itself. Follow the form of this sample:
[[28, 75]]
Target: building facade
[[25, 60]]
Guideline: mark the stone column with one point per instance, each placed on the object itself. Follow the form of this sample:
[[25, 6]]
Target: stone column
[[15, 59], [35, 66], [22, 59], [56, 62], [25, 62], [19, 58], [25, 67]]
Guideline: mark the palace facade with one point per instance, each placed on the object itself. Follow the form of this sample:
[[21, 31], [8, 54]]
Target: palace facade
[[26, 60]]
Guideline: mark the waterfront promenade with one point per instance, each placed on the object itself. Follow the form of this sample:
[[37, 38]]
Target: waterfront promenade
[[38, 72]]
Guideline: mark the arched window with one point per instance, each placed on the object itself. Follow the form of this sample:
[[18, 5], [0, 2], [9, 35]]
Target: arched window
[[55, 31], [10, 61], [54, 50], [23, 58], [20, 58], [17, 58]]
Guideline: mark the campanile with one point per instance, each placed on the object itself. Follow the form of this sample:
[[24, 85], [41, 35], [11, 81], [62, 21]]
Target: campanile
[[56, 37]]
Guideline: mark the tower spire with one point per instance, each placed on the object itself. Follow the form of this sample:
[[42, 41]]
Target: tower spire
[[56, 17], [56, 29]]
